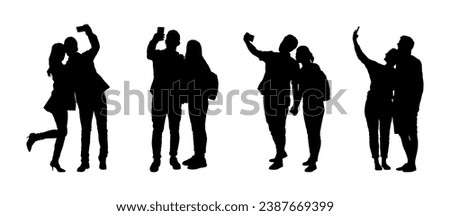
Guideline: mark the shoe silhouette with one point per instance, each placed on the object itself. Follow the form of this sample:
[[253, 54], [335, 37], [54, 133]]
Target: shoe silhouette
[[308, 162], [197, 163], [174, 163], [83, 167], [282, 156], [56, 166], [311, 167], [155, 166], [31, 141], [188, 161], [276, 165]]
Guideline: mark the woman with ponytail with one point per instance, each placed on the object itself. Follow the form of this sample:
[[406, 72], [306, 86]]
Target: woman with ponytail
[[311, 84]]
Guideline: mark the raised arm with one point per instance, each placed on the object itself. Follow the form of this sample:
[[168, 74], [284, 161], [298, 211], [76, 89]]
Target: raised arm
[[251, 47], [151, 48], [93, 40], [359, 53]]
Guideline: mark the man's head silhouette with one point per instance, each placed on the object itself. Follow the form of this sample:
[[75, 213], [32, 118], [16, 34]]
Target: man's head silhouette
[[288, 44], [172, 39], [71, 46], [405, 45]]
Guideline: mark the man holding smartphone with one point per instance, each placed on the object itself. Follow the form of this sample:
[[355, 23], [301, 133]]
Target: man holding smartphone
[[90, 94], [167, 66], [275, 88]]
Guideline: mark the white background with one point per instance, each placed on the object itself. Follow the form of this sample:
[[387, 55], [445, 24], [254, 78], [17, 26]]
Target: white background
[[238, 146]]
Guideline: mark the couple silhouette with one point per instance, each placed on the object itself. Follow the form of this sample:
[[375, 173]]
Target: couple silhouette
[[77, 77], [308, 83], [178, 80], [401, 75]]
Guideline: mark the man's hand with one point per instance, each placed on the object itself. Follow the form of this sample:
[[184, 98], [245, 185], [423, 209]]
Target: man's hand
[[85, 28], [248, 37], [158, 37]]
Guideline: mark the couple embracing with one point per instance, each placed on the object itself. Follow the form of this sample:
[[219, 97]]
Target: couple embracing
[[78, 77], [178, 80], [395, 93], [308, 83]]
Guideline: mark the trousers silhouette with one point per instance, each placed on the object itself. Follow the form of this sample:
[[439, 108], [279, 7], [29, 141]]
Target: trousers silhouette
[[276, 114], [87, 110], [378, 115], [164, 105], [198, 108], [313, 116]]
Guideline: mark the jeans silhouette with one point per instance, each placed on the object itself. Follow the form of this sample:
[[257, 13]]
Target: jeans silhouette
[[88, 109], [164, 105], [276, 113], [378, 115], [313, 116], [198, 107]]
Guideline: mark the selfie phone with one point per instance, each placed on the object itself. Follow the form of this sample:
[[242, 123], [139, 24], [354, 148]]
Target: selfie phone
[[251, 37], [160, 30]]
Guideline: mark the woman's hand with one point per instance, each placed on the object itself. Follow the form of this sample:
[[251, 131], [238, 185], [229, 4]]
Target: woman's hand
[[294, 111], [355, 34]]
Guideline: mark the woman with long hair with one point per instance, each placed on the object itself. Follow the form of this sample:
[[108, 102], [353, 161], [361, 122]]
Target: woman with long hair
[[61, 100], [311, 85], [202, 85]]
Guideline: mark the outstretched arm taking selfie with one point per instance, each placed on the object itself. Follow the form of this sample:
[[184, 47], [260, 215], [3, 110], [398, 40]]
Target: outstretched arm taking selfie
[[93, 40], [250, 46], [359, 53]]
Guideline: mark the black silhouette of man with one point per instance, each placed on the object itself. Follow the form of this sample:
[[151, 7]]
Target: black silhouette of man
[[89, 89], [275, 88], [407, 97], [167, 66]]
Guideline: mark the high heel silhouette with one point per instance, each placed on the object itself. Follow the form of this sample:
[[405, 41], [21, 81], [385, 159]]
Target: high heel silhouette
[[31, 140], [56, 166]]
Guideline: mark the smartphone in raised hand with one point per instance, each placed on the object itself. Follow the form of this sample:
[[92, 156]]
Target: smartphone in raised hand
[[81, 28], [160, 30], [250, 37]]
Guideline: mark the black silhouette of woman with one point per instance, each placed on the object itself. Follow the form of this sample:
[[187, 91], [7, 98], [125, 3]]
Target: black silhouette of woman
[[61, 100], [378, 109], [202, 85], [311, 84]]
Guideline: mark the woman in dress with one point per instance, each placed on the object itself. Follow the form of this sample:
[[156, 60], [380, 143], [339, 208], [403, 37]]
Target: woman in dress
[[61, 100]]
